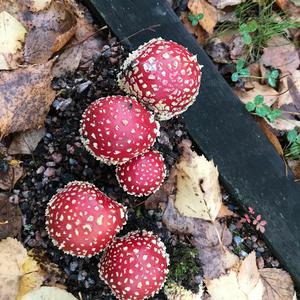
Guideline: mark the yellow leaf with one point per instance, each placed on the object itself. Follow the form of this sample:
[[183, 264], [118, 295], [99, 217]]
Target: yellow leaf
[[48, 293], [198, 191], [12, 34]]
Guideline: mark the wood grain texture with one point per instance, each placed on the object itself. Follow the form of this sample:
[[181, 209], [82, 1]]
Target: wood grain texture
[[250, 168]]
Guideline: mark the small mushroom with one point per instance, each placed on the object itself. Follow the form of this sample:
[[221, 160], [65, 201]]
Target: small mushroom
[[135, 266], [117, 128], [81, 220], [164, 75], [143, 174]]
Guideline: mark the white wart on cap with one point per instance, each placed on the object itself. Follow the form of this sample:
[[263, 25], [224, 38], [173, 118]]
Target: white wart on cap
[[117, 128], [164, 75], [81, 220], [142, 175], [135, 266]]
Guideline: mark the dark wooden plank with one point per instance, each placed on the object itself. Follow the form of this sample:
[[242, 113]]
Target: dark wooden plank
[[249, 166]]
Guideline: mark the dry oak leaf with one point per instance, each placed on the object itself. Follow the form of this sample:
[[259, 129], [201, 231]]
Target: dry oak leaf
[[281, 54], [12, 34], [270, 95], [198, 192], [48, 293], [25, 98], [210, 14], [242, 284], [10, 218], [12, 257], [25, 142], [49, 31], [220, 4]]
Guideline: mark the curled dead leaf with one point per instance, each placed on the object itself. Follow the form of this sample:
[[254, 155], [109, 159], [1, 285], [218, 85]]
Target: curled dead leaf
[[10, 178], [25, 98]]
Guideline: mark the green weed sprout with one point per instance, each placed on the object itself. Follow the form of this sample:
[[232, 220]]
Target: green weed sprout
[[293, 149], [194, 19]]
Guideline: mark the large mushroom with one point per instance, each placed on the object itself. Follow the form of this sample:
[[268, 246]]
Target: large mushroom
[[117, 128], [164, 75], [135, 266], [143, 174], [81, 220]]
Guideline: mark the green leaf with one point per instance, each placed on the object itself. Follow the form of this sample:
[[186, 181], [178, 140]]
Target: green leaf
[[194, 22], [244, 72], [274, 74], [235, 76], [243, 28], [258, 99], [292, 136], [199, 17], [252, 26], [247, 38], [274, 114], [250, 106], [240, 64], [194, 19], [272, 81], [263, 110]]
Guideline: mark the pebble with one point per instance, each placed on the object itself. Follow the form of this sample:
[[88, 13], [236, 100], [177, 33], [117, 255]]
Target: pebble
[[61, 103], [243, 253], [73, 265], [50, 164], [232, 227], [14, 199], [238, 240], [261, 249], [82, 275], [83, 86], [56, 157], [49, 172]]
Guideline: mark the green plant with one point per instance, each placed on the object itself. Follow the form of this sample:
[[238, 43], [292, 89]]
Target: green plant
[[272, 77], [241, 71], [263, 110], [257, 23], [194, 19], [293, 148]]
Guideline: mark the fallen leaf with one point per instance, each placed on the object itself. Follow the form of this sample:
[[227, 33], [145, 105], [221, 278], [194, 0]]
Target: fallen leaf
[[68, 61], [225, 212], [278, 284], [270, 135], [214, 257], [48, 293], [220, 4], [174, 291], [25, 98], [198, 192], [12, 257], [218, 51], [10, 218], [281, 54], [32, 278], [9, 179], [244, 283], [25, 142], [270, 95], [199, 33], [282, 124], [295, 167], [12, 34], [50, 31], [210, 14], [290, 7], [37, 5]]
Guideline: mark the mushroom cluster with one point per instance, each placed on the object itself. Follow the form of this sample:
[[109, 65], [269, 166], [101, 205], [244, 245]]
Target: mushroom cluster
[[164, 75]]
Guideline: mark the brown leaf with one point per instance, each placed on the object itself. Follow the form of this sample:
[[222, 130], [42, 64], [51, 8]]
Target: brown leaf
[[37, 5], [225, 212], [200, 34], [215, 258], [295, 167], [270, 95], [210, 19], [25, 98], [290, 7], [220, 4], [270, 135], [278, 284], [25, 142], [10, 178], [50, 31], [10, 218], [281, 54], [68, 61]]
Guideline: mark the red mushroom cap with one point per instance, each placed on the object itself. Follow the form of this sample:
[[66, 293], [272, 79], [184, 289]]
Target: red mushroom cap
[[117, 128], [143, 174], [164, 75], [135, 266], [81, 220]]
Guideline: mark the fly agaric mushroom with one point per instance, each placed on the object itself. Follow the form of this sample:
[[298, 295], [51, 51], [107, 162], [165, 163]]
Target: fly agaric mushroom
[[143, 174], [135, 266], [117, 128], [164, 75], [81, 220]]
